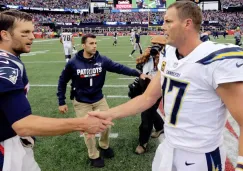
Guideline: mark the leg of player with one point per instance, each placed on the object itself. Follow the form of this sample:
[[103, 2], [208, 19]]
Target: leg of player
[[145, 129], [67, 57], [140, 49], [104, 142], [114, 43], [134, 49], [157, 121], [81, 110], [68, 52]]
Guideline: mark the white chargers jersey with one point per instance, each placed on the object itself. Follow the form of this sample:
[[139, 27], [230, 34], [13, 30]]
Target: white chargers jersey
[[67, 39], [194, 114]]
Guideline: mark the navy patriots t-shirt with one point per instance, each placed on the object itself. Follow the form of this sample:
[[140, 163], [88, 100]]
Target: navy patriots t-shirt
[[13, 89]]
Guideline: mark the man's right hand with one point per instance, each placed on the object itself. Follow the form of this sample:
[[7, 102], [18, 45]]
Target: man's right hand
[[96, 125], [63, 109]]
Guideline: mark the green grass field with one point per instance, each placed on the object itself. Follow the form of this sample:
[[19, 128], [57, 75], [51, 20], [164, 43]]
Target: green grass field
[[68, 153]]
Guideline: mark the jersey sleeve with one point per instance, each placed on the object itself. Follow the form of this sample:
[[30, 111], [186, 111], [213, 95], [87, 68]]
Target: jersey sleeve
[[228, 70], [224, 65], [10, 76]]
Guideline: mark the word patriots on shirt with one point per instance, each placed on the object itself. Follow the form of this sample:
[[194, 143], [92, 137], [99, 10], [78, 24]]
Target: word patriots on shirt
[[91, 72]]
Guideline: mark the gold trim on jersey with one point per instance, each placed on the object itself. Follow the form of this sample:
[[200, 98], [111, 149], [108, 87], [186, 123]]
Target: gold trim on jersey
[[228, 54], [221, 54]]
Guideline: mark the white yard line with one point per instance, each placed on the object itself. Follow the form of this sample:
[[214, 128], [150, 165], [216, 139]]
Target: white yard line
[[128, 78], [115, 97], [49, 40], [131, 64], [55, 85], [103, 53], [46, 62], [111, 135]]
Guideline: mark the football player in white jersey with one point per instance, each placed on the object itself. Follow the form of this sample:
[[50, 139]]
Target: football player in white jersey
[[68, 44], [132, 37], [199, 81]]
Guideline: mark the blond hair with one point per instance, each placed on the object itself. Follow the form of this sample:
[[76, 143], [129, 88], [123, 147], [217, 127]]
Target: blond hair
[[188, 9]]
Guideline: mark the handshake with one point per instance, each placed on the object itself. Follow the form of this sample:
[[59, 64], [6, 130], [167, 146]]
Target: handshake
[[94, 122]]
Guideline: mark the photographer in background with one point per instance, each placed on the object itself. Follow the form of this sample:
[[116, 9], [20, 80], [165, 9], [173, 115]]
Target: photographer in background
[[147, 63]]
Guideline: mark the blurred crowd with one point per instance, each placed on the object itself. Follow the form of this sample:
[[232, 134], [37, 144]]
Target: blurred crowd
[[231, 3], [79, 4], [40, 28], [226, 19], [75, 4], [54, 18]]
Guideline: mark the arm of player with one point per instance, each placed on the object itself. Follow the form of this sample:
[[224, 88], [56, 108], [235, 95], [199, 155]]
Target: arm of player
[[33, 125], [136, 105], [64, 78], [122, 69], [232, 95], [25, 124]]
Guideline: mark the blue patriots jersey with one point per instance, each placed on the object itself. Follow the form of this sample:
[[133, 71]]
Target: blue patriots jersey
[[13, 89], [12, 73]]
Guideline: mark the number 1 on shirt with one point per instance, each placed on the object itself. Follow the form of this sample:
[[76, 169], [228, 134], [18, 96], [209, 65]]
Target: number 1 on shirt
[[91, 82]]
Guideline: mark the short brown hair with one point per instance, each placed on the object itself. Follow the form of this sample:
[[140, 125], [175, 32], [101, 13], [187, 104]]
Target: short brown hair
[[189, 9], [85, 37], [9, 17]]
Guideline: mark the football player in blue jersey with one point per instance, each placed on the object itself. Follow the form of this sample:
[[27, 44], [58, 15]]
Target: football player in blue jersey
[[199, 81], [17, 124]]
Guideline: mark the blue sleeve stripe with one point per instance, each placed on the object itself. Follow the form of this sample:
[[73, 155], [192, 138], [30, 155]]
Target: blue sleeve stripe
[[226, 53]]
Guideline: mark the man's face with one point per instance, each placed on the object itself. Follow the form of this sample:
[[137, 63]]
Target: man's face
[[90, 46], [22, 37], [173, 27]]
